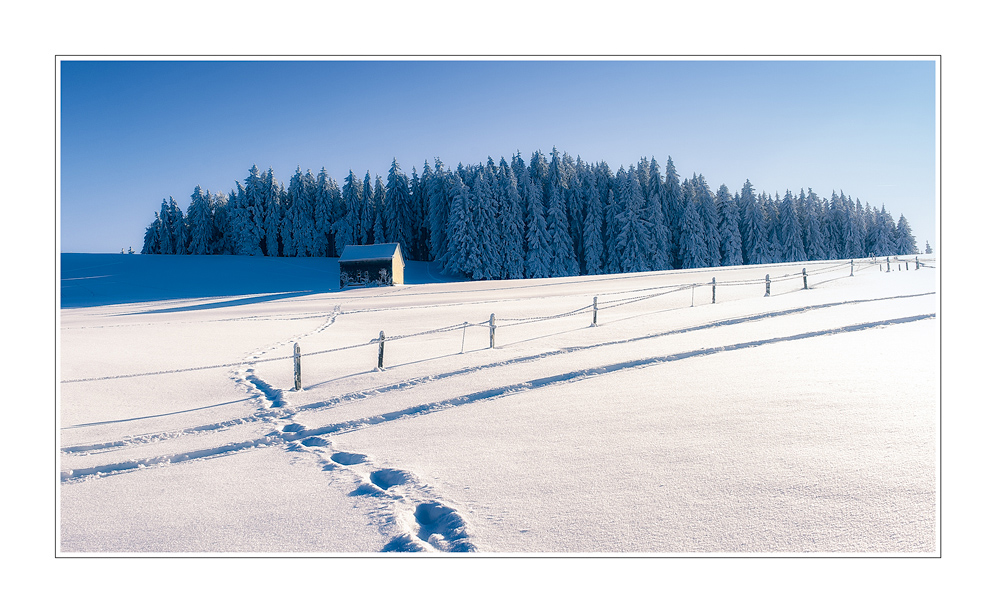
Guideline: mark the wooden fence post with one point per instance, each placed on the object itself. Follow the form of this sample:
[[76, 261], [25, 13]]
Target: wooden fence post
[[805, 279], [714, 290], [767, 285], [693, 294], [594, 311], [380, 351], [852, 268], [888, 265], [918, 262], [297, 366], [492, 330]]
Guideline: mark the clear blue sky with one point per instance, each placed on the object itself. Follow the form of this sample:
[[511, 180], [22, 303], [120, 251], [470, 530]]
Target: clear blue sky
[[135, 132]]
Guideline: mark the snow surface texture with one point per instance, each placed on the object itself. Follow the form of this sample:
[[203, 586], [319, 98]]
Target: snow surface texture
[[802, 422]]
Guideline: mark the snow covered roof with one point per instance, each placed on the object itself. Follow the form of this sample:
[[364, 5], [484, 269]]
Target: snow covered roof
[[366, 253]]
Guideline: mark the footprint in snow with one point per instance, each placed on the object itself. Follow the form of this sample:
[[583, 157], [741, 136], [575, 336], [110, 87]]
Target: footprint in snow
[[348, 459], [386, 478]]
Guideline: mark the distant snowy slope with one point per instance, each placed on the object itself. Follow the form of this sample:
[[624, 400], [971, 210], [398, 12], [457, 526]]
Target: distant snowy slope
[[96, 279]]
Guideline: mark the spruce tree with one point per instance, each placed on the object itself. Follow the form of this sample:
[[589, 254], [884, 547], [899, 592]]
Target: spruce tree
[[273, 213], [379, 198], [421, 186], [484, 212], [692, 239], [368, 211], [563, 261], [631, 243], [660, 227], [348, 227], [672, 204], [200, 221], [221, 239], [323, 215], [397, 225], [463, 254], [771, 247], [254, 201], [538, 252], [614, 207], [511, 224], [303, 225], [752, 225], [905, 241], [594, 241], [790, 234], [730, 242], [706, 205], [813, 233], [177, 228], [439, 188], [151, 243]]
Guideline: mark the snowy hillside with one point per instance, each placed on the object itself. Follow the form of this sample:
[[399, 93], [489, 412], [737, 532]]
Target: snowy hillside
[[801, 422]]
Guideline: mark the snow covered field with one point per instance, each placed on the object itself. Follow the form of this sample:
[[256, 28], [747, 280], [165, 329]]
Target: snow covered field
[[802, 422]]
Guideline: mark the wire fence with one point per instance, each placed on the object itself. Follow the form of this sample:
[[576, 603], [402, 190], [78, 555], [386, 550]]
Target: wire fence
[[853, 266]]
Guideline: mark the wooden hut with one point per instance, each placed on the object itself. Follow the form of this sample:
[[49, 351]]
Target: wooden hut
[[371, 265]]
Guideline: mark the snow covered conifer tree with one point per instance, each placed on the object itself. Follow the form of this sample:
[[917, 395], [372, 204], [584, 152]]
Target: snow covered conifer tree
[[905, 241], [771, 248], [538, 252], [379, 198], [420, 212], [177, 228], [730, 242], [706, 205], [631, 243], [538, 171], [813, 234], [151, 243], [254, 201], [272, 213], [338, 212], [368, 211], [659, 226], [244, 241], [397, 224], [594, 241], [484, 212], [574, 197], [643, 176], [752, 226], [221, 236], [615, 204], [882, 233], [692, 241], [303, 188], [200, 221], [790, 231], [323, 215], [673, 200], [563, 261], [838, 225], [463, 255], [164, 234], [439, 189], [348, 227], [521, 172], [511, 224]]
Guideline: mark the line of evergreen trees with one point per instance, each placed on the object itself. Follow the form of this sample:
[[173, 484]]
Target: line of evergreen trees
[[544, 218]]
